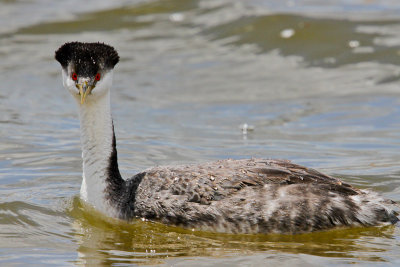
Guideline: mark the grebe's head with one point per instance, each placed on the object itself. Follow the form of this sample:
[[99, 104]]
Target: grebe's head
[[87, 69]]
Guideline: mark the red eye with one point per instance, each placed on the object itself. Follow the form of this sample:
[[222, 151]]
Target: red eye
[[74, 76], [97, 77]]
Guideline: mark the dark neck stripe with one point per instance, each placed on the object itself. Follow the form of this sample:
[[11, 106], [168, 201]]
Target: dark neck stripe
[[115, 183], [120, 193]]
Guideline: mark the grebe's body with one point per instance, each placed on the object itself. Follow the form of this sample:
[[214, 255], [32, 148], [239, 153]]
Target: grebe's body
[[236, 196]]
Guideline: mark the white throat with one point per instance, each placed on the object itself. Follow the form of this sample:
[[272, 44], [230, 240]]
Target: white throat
[[96, 140]]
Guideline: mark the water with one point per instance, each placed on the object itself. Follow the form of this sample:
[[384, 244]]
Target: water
[[317, 80]]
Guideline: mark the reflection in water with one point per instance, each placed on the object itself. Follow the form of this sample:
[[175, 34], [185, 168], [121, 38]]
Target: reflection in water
[[113, 19], [104, 241], [320, 42]]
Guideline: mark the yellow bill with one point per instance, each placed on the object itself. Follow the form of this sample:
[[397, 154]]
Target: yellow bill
[[84, 90]]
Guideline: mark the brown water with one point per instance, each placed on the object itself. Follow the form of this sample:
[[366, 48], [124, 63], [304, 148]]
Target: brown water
[[317, 81]]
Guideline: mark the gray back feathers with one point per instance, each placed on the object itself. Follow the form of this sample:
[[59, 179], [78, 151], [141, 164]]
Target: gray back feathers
[[252, 196]]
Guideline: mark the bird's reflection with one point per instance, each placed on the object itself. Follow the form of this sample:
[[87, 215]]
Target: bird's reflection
[[106, 241]]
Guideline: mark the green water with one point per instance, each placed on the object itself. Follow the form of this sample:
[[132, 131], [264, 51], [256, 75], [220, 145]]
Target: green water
[[317, 80]]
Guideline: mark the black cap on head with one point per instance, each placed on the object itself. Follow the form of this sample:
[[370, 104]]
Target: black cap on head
[[87, 58]]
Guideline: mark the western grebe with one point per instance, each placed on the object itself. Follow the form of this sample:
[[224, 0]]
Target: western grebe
[[233, 196]]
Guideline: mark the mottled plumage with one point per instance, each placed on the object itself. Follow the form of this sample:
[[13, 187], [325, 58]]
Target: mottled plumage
[[251, 196], [235, 196]]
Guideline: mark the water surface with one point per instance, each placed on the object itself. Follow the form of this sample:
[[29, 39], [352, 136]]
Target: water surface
[[316, 81]]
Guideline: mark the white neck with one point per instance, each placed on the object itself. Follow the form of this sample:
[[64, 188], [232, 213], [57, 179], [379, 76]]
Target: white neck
[[96, 140]]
